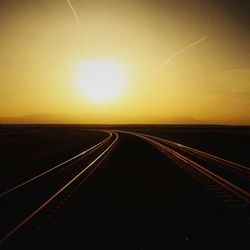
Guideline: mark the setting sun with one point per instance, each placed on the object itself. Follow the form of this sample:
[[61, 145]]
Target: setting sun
[[100, 80]]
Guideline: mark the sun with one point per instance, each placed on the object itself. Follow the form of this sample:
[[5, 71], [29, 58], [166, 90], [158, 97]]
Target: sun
[[100, 80]]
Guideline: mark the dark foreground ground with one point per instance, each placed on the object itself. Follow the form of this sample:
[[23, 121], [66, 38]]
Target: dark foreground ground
[[29, 150], [139, 199]]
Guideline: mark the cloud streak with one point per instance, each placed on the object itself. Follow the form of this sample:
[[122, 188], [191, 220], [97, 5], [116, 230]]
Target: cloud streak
[[172, 57], [73, 11]]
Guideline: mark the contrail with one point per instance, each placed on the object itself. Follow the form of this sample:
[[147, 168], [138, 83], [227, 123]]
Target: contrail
[[170, 59], [73, 11], [165, 63]]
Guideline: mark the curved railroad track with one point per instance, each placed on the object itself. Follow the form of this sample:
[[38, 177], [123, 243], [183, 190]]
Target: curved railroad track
[[228, 180], [22, 204]]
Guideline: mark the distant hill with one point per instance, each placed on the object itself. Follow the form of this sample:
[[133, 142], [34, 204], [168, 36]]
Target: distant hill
[[104, 118], [81, 119], [183, 120], [42, 119]]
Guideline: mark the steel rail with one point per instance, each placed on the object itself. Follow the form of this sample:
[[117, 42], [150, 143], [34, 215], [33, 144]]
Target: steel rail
[[242, 194], [214, 158], [49, 200], [84, 153], [221, 181]]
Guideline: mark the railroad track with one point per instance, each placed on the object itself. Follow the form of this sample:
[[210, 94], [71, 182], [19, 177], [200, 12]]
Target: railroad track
[[25, 204], [235, 168], [229, 181]]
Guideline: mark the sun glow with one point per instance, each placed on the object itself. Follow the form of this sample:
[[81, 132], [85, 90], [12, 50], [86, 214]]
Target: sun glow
[[100, 81]]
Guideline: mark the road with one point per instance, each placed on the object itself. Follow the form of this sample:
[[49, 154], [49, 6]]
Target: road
[[135, 198]]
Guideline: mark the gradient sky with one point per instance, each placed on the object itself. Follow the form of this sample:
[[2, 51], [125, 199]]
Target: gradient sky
[[41, 42]]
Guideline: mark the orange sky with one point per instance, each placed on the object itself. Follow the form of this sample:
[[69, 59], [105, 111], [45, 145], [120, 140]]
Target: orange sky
[[41, 42]]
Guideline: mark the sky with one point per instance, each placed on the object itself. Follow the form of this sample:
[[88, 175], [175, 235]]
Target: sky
[[183, 60]]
